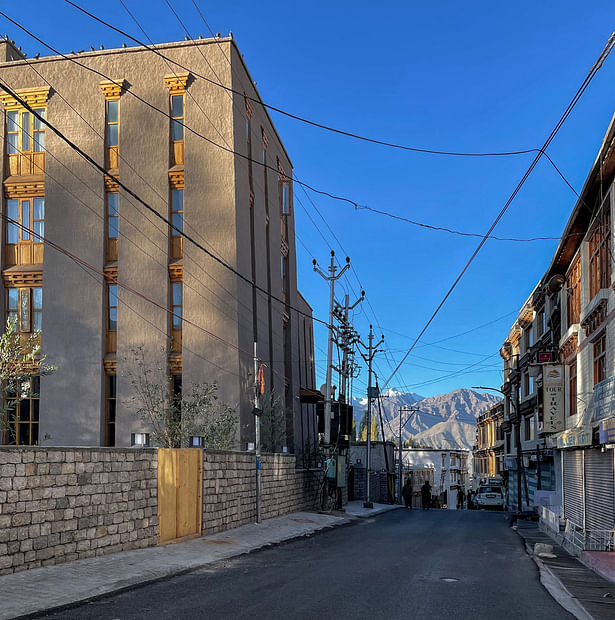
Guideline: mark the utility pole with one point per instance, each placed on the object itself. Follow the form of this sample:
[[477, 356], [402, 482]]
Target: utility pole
[[518, 442], [348, 337], [331, 279], [371, 352], [257, 435], [410, 411]]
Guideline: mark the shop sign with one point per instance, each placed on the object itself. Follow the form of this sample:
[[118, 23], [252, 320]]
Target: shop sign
[[510, 462], [553, 398], [575, 437], [604, 399], [607, 430]]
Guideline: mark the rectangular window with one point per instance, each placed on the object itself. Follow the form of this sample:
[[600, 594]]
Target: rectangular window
[[600, 359], [572, 388], [177, 115], [23, 414], [573, 290], [177, 211], [176, 304], [113, 122], [110, 409], [112, 133], [25, 305], [25, 132], [112, 307], [28, 215], [112, 224], [599, 251], [285, 197]]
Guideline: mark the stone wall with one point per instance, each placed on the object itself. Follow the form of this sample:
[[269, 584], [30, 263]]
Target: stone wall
[[59, 505], [229, 488], [64, 504]]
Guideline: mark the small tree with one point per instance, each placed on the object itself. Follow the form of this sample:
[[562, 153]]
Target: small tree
[[20, 360], [174, 418], [273, 423]]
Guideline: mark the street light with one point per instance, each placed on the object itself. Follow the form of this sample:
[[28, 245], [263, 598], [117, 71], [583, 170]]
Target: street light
[[515, 406]]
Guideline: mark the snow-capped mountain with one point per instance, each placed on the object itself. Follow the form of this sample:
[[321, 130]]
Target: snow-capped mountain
[[443, 421]]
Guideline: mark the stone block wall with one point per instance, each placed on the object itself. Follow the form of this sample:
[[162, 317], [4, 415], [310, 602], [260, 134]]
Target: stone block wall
[[59, 505], [229, 488], [64, 504]]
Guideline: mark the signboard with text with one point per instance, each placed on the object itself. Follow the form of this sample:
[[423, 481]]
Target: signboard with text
[[604, 399], [553, 414], [575, 437], [607, 431]]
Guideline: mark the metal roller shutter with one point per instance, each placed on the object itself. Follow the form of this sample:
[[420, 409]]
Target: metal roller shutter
[[573, 486], [599, 490]]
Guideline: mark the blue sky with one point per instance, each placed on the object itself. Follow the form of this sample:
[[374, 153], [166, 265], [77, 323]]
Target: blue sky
[[476, 77]]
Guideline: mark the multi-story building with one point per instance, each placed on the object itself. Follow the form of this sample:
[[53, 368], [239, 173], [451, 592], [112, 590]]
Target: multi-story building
[[488, 453], [531, 346], [203, 155], [450, 467], [583, 267]]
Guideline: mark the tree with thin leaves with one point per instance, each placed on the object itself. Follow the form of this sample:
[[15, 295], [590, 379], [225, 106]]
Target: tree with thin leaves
[[175, 418], [20, 360]]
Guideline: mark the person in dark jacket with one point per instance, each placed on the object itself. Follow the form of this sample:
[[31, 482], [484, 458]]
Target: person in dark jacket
[[426, 495], [406, 493], [460, 498]]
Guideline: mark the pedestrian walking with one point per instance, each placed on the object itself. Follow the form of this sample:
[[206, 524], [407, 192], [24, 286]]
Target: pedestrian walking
[[407, 493], [470, 500], [460, 498], [426, 495]]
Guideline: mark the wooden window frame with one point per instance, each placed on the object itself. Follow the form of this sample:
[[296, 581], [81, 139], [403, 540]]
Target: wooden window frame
[[111, 246], [176, 239], [573, 293], [600, 251], [25, 301], [26, 414], [572, 388], [177, 144], [112, 151], [176, 316], [110, 408], [600, 358]]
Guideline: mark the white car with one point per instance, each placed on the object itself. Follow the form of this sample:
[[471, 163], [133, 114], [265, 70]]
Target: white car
[[490, 497]]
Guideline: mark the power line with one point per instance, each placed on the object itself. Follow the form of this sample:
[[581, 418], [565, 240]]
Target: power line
[[295, 116], [595, 68]]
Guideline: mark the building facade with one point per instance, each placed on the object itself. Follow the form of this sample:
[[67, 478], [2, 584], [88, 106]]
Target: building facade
[[488, 453], [186, 248], [559, 366]]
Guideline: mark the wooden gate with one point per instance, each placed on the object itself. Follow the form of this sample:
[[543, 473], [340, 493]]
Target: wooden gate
[[180, 479]]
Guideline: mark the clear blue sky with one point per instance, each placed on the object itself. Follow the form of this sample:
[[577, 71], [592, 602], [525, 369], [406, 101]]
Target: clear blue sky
[[479, 76]]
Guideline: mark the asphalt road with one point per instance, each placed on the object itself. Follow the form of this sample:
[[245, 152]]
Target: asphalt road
[[403, 564]]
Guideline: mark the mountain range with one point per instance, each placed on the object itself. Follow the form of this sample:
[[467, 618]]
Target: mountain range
[[444, 421]]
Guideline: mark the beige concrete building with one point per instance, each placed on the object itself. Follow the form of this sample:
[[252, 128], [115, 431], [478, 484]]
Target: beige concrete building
[[194, 152]]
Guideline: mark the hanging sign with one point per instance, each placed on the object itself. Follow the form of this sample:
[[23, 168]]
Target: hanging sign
[[553, 398], [604, 399], [607, 431]]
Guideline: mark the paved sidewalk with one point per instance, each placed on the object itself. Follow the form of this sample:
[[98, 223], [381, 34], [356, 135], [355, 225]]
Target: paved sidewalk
[[40, 589], [576, 587]]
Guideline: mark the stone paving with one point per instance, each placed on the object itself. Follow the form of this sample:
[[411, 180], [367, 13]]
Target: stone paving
[[41, 589]]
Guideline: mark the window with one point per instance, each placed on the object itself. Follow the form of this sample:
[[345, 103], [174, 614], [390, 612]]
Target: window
[[25, 132], [600, 359], [177, 211], [23, 414], [573, 290], [113, 224], [29, 217], [285, 197], [528, 431], [599, 251], [177, 115], [25, 305], [572, 388], [176, 305], [110, 409], [112, 133], [112, 307]]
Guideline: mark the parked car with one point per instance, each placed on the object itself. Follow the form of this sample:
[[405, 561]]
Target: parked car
[[490, 497]]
